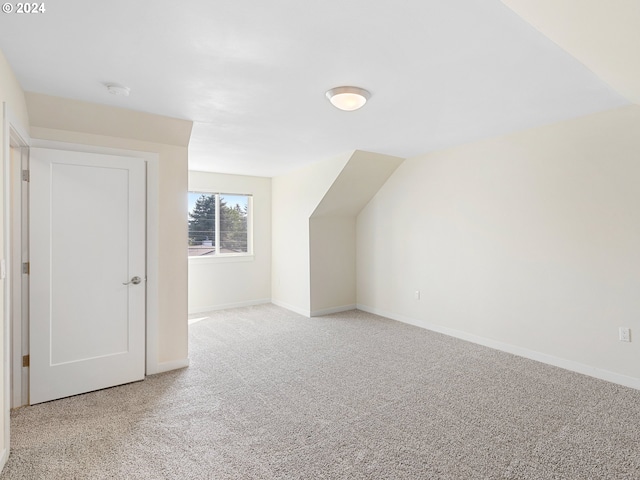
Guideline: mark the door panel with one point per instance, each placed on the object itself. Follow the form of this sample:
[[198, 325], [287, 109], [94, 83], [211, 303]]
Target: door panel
[[87, 240]]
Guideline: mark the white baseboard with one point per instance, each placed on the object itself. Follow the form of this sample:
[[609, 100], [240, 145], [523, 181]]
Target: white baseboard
[[224, 306], [4, 456], [329, 311], [571, 365], [299, 311], [168, 366]]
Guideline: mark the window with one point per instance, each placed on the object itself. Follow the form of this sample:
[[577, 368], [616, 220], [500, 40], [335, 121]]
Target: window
[[219, 224]]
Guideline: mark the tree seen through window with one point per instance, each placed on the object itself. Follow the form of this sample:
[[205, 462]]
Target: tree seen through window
[[218, 224]]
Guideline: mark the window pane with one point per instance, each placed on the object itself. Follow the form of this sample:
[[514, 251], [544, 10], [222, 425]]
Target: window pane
[[234, 210], [202, 224]]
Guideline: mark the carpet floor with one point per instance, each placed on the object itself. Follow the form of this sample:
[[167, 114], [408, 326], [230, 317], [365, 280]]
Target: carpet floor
[[273, 395]]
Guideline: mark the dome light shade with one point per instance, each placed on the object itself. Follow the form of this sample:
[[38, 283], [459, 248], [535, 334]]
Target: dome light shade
[[348, 98]]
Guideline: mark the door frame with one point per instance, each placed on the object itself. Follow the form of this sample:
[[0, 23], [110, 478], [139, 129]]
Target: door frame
[[152, 237], [19, 285], [13, 133]]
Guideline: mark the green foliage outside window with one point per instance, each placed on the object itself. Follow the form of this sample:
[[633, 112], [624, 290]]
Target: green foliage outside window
[[232, 225]]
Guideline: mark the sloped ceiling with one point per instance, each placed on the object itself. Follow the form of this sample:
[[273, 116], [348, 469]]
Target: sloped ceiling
[[252, 74], [357, 183], [603, 35]]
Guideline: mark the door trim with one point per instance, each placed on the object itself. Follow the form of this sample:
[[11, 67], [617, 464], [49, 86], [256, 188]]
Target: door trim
[[13, 131], [153, 222], [19, 281]]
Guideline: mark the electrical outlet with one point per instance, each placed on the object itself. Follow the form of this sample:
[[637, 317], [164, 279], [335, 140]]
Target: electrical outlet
[[416, 295], [625, 334]]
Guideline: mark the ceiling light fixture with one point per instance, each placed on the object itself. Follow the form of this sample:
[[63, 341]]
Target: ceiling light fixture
[[117, 89], [348, 98]]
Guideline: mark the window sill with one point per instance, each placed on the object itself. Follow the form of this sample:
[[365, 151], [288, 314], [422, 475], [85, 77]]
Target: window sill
[[221, 259]]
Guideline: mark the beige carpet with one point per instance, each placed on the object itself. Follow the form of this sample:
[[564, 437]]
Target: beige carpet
[[272, 395]]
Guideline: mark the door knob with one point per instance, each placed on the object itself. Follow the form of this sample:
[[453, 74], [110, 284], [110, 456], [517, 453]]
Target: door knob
[[134, 280]]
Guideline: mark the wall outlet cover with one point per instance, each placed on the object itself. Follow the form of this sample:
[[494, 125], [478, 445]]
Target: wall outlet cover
[[625, 334]]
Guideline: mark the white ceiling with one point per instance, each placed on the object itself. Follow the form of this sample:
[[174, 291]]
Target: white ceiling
[[252, 74]]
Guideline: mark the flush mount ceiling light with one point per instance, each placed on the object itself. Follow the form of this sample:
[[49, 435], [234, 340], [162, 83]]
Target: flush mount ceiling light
[[117, 89], [348, 98]]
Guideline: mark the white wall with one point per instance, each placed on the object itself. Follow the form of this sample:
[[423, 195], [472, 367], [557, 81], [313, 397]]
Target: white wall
[[295, 197], [332, 244], [604, 36], [314, 211], [332, 226], [216, 283], [528, 242]]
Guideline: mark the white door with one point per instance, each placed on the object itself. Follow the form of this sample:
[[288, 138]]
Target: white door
[[87, 272]]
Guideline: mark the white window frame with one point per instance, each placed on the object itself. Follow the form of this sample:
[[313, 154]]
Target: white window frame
[[227, 257]]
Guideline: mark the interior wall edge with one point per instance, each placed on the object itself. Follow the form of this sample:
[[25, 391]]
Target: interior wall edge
[[566, 364], [171, 365], [213, 308], [299, 311], [329, 311]]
